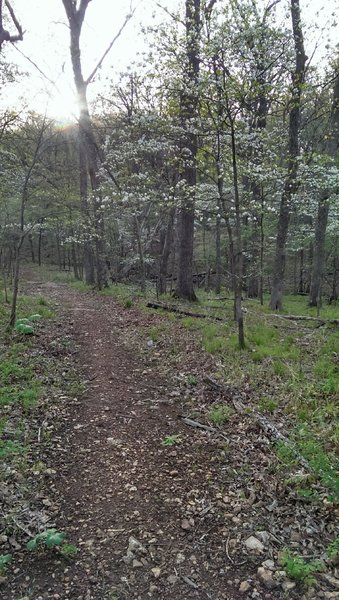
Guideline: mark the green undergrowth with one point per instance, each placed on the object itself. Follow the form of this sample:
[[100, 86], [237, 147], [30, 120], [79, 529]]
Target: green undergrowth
[[291, 368], [34, 372]]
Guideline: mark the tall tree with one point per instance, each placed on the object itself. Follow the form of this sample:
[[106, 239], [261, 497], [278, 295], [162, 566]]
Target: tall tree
[[189, 112], [331, 149], [94, 263], [291, 182]]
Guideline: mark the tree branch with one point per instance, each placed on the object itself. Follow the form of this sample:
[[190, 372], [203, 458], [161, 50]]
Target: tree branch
[[16, 23], [116, 37]]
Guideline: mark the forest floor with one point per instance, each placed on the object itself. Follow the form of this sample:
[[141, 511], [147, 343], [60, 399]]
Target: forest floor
[[156, 508]]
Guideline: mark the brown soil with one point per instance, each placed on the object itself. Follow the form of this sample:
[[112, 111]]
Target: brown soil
[[149, 520]]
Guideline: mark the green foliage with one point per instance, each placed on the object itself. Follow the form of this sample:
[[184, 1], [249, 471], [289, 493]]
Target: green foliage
[[324, 464], [69, 550], [9, 447], [326, 368], [268, 404], [333, 548], [128, 303], [220, 414], [191, 380], [42, 301], [285, 454], [171, 440], [5, 559], [24, 325], [298, 569], [49, 538], [21, 326]]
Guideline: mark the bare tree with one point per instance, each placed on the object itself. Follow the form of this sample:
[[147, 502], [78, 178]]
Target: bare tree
[[6, 36], [94, 262], [291, 183]]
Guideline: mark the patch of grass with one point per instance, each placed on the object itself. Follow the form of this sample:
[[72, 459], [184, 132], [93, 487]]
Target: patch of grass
[[268, 404], [333, 548], [220, 414], [191, 379], [188, 323], [9, 447], [298, 569], [285, 455], [42, 301], [326, 368], [171, 440]]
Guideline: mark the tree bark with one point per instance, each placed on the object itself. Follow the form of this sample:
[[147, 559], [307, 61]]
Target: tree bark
[[189, 110], [332, 146], [165, 253], [218, 255], [291, 184]]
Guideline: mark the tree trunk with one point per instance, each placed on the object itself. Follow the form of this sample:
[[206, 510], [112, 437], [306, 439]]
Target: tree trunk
[[94, 261], [334, 294], [189, 113], [291, 184], [323, 206], [31, 245], [165, 253], [218, 256], [141, 255]]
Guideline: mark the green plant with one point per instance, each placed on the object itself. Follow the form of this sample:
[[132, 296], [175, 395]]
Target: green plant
[[42, 301], [8, 448], [5, 559], [48, 538], [171, 440], [220, 414], [191, 380], [128, 303], [298, 569], [333, 548], [22, 326], [69, 550]]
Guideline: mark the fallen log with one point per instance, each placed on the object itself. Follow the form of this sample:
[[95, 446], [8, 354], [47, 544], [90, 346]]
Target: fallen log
[[305, 318], [180, 311]]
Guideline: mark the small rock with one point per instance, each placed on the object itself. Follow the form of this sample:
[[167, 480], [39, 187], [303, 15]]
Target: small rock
[[263, 536], [252, 543], [180, 558], [268, 564], [172, 579], [153, 588], [185, 524], [266, 578], [134, 545], [330, 595], [244, 587], [128, 558], [136, 564], [288, 585], [156, 572]]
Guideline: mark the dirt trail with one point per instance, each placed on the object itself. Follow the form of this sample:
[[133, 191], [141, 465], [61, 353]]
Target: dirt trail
[[149, 520], [117, 481]]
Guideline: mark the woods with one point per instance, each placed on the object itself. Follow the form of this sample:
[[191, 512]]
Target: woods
[[169, 300], [199, 163]]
